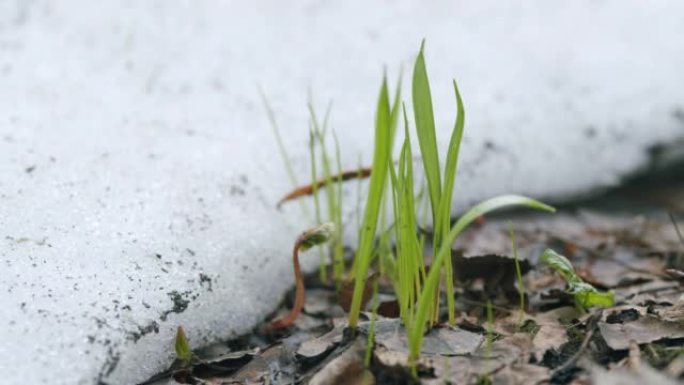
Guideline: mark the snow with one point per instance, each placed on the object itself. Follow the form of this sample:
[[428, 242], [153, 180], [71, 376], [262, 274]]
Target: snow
[[139, 174]]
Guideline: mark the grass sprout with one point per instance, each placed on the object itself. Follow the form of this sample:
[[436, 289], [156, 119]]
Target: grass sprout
[[585, 294], [182, 347], [489, 342], [284, 155], [518, 276]]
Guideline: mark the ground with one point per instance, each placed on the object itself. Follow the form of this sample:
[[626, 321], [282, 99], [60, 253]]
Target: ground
[[620, 243]]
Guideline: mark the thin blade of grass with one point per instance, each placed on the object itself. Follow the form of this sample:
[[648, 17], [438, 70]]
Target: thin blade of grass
[[320, 131], [317, 203], [447, 195], [381, 155], [339, 268], [425, 128], [431, 284], [394, 113], [281, 145], [518, 275]]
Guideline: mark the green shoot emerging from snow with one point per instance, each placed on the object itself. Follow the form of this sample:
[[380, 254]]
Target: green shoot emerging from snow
[[417, 285], [586, 295], [183, 352]]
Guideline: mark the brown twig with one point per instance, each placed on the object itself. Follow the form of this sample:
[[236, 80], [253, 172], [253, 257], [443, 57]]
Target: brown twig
[[592, 324], [309, 189]]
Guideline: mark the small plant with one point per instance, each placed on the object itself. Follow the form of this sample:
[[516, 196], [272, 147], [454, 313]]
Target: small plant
[[585, 295], [182, 347], [489, 342], [305, 241], [518, 275]]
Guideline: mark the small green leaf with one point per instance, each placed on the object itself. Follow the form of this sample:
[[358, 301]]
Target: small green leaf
[[317, 236], [560, 264], [183, 352], [425, 128], [585, 294], [589, 298]]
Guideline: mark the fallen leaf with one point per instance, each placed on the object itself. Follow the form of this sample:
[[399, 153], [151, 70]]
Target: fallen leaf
[[646, 329], [624, 376], [521, 374], [314, 349], [445, 341], [552, 333], [347, 368], [260, 367], [225, 364]]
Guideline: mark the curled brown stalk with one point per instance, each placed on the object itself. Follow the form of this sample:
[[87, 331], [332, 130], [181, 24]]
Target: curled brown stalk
[[309, 189], [305, 241]]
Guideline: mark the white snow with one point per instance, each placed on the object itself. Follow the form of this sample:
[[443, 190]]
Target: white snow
[[138, 170]]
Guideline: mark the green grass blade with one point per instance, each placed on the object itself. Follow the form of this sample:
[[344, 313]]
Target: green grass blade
[[431, 284], [381, 155], [338, 253], [447, 195], [425, 127], [518, 275], [394, 114], [281, 147], [317, 203]]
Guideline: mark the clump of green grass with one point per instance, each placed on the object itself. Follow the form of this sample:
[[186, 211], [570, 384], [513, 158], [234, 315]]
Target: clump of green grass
[[416, 285]]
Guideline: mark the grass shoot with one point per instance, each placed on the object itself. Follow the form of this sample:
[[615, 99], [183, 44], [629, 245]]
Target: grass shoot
[[518, 276], [585, 294], [182, 347]]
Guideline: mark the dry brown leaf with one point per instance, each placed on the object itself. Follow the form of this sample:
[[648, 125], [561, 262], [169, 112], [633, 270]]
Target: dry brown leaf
[[644, 330], [645, 375], [347, 368], [309, 189], [447, 341], [315, 348], [552, 333]]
